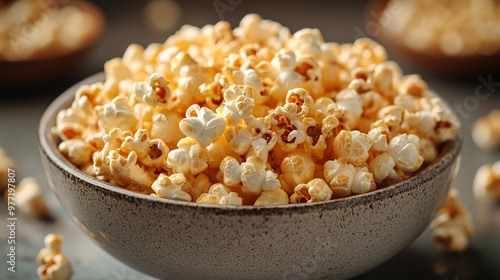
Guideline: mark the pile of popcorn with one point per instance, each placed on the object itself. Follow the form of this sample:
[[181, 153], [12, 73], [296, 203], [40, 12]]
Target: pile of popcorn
[[34, 28], [453, 28], [254, 116]]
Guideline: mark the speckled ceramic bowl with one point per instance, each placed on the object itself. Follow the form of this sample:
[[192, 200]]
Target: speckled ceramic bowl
[[178, 240]]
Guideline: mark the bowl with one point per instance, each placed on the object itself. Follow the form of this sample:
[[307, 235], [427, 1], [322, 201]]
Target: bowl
[[46, 67], [431, 60], [171, 239]]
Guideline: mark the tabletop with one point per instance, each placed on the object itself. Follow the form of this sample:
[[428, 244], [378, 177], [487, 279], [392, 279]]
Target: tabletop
[[340, 21]]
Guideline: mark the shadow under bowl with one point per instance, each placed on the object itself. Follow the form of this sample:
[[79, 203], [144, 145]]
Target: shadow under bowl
[[164, 238]]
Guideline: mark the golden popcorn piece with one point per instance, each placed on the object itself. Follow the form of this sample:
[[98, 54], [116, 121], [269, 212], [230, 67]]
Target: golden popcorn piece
[[189, 158], [6, 163], [76, 151], [487, 182], [486, 131], [272, 198], [30, 199], [452, 224], [353, 146], [296, 168], [220, 195], [314, 191], [171, 187], [55, 265]]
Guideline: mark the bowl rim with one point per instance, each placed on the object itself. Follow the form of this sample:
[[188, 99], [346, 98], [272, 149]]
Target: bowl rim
[[48, 148]]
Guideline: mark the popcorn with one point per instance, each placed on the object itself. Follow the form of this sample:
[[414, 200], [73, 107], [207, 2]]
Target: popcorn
[[189, 158], [272, 198], [344, 179], [452, 224], [30, 200], [202, 125], [171, 187], [314, 191], [116, 114], [220, 195], [353, 146], [55, 265], [76, 151], [297, 168], [149, 152], [487, 182], [254, 116], [486, 131], [6, 163], [154, 92]]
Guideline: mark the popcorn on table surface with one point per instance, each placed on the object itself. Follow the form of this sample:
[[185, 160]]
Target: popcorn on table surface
[[253, 116], [487, 182], [486, 131], [32, 28], [6, 163], [55, 265], [30, 200], [453, 28], [452, 224]]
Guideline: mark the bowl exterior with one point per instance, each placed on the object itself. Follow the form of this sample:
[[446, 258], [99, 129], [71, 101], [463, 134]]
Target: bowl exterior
[[178, 240]]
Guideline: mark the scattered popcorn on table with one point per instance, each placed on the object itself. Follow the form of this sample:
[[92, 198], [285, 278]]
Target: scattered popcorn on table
[[486, 131], [487, 182], [29, 198], [254, 116], [55, 265], [452, 224]]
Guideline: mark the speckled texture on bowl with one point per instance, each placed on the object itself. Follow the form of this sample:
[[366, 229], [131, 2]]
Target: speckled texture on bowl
[[171, 240]]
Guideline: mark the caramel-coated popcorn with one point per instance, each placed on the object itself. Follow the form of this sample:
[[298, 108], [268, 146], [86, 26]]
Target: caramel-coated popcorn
[[254, 116]]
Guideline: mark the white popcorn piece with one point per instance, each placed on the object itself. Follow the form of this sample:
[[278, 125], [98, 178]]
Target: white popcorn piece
[[413, 85], [171, 187], [422, 121], [446, 124], [486, 131], [116, 114], [339, 175], [301, 98], [232, 171], [353, 104], [254, 29], [154, 92], [199, 185], [382, 166], [55, 265], [353, 146], [255, 178], [452, 224], [363, 181], [307, 41], [272, 198], [379, 137], [314, 191], [297, 168], [220, 195], [486, 183], [30, 200], [202, 125], [238, 104], [428, 150], [127, 171], [166, 127], [239, 139], [149, 152], [385, 77], [291, 130], [189, 158], [76, 151], [405, 153]]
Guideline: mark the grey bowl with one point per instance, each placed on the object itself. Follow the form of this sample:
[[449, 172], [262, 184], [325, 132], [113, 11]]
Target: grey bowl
[[169, 239]]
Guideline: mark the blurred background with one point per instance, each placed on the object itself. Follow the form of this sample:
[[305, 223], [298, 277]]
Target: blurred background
[[467, 75]]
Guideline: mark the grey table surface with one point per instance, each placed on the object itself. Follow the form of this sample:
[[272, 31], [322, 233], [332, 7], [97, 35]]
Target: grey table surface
[[20, 111]]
